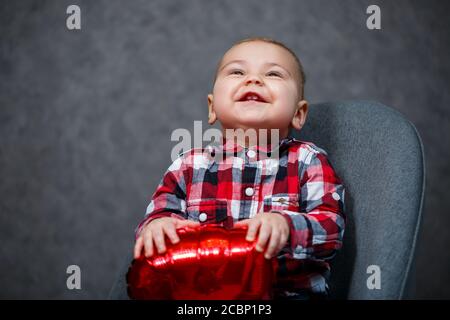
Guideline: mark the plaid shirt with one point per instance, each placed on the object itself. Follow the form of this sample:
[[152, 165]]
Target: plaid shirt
[[300, 184]]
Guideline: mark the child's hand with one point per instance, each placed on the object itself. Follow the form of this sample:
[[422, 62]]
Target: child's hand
[[153, 235], [271, 226]]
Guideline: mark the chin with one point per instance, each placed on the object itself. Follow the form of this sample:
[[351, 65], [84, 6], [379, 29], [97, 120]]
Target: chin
[[260, 123], [251, 123]]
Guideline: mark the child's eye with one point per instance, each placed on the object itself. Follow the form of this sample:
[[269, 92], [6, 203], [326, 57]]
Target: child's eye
[[274, 73], [237, 72]]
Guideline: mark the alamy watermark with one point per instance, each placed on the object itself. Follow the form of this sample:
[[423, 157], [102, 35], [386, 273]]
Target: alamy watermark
[[373, 22], [74, 279], [265, 139], [374, 280], [73, 22]]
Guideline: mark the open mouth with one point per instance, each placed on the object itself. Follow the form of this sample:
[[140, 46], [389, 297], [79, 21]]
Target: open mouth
[[252, 97]]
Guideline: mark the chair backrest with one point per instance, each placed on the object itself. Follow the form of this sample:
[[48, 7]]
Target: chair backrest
[[379, 156]]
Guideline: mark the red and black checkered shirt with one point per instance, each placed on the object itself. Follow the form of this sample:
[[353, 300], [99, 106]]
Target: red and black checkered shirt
[[227, 182]]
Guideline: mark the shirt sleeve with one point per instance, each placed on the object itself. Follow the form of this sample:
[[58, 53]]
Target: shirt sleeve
[[169, 198], [317, 230]]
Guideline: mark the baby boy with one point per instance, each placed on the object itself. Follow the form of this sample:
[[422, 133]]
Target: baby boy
[[292, 204]]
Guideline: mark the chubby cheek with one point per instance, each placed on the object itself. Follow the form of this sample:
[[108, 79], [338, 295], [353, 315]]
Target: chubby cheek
[[283, 93], [222, 87], [279, 119], [224, 113], [287, 95], [223, 97], [284, 110], [222, 105]]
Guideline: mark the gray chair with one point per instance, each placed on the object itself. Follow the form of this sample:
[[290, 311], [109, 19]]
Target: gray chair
[[379, 156]]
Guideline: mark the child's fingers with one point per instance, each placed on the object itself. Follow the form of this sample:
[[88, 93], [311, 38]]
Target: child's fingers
[[148, 244], [253, 226], [171, 233], [283, 241], [186, 223], [138, 247], [273, 244], [158, 238], [264, 233], [242, 223]]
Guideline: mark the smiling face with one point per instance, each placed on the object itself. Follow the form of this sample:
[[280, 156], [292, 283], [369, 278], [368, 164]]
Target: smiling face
[[257, 86]]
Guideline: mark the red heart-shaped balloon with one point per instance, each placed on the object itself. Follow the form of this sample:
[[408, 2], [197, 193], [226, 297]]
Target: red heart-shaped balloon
[[209, 263]]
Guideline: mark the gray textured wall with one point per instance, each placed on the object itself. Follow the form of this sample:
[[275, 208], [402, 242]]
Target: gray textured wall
[[86, 116]]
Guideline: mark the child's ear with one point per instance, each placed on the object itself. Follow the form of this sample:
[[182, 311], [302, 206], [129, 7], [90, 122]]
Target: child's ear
[[300, 115], [211, 113]]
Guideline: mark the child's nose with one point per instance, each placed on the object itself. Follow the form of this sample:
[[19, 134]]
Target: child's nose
[[252, 78]]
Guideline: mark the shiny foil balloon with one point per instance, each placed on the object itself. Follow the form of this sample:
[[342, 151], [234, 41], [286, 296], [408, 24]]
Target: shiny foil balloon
[[209, 263]]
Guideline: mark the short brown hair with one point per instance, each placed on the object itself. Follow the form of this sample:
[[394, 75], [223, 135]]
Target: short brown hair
[[301, 73]]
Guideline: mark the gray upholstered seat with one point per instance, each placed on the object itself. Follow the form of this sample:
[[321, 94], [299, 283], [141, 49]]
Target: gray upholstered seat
[[379, 156]]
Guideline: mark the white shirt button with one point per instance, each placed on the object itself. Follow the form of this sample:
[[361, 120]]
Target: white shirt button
[[251, 153], [335, 196], [249, 191], [202, 217]]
